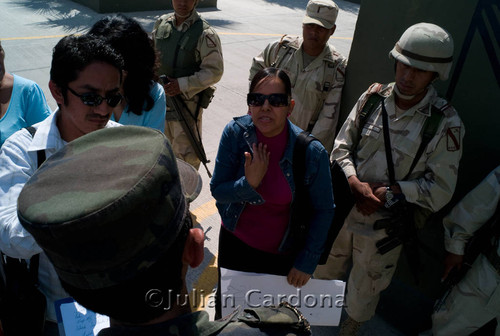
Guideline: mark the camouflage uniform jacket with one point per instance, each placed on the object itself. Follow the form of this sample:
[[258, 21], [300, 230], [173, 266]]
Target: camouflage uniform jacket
[[432, 181], [316, 89], [475, 209], [198, 324], [208, 53]]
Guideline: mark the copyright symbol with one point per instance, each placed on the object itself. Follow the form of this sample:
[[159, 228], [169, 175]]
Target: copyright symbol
[[154, 298]]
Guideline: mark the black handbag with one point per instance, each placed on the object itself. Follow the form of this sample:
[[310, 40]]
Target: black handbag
[[302, 209]]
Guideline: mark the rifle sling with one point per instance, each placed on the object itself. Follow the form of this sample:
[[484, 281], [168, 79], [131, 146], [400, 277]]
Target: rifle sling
[[387, 144], [429, 131]]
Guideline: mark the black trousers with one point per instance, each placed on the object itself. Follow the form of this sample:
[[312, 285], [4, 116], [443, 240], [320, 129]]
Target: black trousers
[[234, 254]]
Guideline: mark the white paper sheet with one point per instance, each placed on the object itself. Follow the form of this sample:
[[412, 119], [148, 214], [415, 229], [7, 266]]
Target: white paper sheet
[[77, 320], [320, 301]]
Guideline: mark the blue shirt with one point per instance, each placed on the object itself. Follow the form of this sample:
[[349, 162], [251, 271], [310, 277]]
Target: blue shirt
[[154, 118], [232, 192], [27, 106]]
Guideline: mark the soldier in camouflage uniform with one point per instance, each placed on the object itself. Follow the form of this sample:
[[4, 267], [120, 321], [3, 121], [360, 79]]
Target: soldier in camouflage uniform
[[315, 68], [121, 238], [476, 299], [423, 54], [191, 58]]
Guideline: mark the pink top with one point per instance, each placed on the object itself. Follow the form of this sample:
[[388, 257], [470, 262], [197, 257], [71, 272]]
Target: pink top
[[263, 226]]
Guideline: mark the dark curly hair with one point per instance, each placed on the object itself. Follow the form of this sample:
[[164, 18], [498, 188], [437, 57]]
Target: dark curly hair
[[129, 39]]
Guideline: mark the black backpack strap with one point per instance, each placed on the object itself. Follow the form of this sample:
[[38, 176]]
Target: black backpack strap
[[301, 201], [299, 158], [39, 154], [369, 106], [35, 260]]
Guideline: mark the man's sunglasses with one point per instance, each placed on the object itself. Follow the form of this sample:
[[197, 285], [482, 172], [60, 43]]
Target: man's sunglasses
[[275, 99], [93, 99]]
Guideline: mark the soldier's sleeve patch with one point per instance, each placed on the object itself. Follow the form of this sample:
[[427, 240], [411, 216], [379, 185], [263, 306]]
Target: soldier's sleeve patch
[[211, 42], [453, 139]]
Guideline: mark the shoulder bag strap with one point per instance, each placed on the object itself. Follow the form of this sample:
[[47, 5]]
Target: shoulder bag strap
[[35, 260], [39, 154], [299, 158], [301, 199]]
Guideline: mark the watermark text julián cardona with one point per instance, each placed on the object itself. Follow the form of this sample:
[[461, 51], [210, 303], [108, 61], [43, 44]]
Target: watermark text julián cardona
[[253, 298]]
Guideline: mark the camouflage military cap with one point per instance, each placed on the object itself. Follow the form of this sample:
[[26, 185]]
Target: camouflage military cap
[[107, 205], [322, 13]]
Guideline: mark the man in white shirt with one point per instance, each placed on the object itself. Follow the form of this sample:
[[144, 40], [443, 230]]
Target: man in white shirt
[[85, 79]]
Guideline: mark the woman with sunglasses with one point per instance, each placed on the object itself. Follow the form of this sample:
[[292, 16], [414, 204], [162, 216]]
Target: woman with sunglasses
[[254, 187], [22, 102], [144, 103]]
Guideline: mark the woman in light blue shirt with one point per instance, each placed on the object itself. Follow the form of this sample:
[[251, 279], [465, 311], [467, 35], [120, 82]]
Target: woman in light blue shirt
[[22, 102], [144, 103]]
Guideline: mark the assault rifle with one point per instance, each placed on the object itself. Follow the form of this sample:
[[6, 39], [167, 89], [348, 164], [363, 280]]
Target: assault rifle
[[180, 107], [401, 230], [476, 245]]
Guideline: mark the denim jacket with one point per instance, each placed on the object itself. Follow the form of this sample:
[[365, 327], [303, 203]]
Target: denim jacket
[[232, 192]]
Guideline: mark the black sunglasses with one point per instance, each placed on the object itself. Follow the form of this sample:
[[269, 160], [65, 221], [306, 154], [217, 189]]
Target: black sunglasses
[[93, 99], [275, 99]]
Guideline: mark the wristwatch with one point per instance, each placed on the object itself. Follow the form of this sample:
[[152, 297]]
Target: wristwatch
[[389, 194]]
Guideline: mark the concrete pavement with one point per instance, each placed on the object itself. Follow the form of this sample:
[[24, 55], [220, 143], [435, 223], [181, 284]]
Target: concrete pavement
[[30, 28]]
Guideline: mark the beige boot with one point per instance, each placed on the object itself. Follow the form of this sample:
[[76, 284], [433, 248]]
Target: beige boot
[[349, 327]]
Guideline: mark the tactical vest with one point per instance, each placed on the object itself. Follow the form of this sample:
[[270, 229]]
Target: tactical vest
[[178, 49]]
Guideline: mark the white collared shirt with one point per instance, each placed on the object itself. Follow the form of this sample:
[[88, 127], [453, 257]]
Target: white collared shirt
[[18, 162]]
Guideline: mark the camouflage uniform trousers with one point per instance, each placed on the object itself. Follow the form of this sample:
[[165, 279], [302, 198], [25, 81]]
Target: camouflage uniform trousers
[[181, 145], [472, 303], [371, 271]]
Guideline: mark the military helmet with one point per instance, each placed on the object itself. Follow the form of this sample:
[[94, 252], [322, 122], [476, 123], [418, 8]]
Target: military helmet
[[425, 46]]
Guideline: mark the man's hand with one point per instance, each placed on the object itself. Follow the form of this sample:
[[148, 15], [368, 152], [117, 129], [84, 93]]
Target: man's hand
[[256, 167], [366, 201], [379, 190], [451, 261], [297, 278], [172, 87]]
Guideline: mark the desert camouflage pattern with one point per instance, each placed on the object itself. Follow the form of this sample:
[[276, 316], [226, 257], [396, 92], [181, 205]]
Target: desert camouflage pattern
[[476, 299], [475, 209], [430, 185], [425, 46], [432, 182], [116, 187], [181, 145], [312, 105], [209, 54]]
